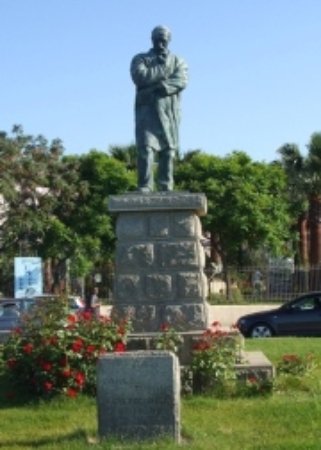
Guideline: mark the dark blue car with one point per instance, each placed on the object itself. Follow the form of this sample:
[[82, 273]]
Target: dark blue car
[[298, 317]]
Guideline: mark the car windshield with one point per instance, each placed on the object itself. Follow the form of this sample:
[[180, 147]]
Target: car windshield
[[9, 309], [305, 303]]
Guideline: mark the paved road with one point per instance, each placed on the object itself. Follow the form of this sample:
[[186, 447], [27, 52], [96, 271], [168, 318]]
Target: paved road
[[227, 315]]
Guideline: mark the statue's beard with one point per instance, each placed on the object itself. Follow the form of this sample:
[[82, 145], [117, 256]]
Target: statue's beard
[[162, 52]]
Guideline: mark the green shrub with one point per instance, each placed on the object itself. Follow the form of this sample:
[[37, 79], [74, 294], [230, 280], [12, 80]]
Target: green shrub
[[221, 299], [253, 383], [168, 339], [293, 364], [214, 358]]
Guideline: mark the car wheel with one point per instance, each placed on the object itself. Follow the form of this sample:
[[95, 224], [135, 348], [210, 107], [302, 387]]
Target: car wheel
[[261, 330]]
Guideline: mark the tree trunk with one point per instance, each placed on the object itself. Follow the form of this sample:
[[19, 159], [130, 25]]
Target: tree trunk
[[315, 241], [303, 239], [228, 282], [48, 278], [215, 249], [59, 277]]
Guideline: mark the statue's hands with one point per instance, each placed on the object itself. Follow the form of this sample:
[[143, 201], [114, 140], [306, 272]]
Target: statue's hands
[[161, 58], [161, 89]]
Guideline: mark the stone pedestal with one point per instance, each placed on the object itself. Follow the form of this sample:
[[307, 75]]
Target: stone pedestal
[[160, 260]]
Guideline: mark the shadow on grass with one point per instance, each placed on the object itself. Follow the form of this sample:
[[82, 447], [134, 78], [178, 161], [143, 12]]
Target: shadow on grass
[[11, 396], [60, 442]]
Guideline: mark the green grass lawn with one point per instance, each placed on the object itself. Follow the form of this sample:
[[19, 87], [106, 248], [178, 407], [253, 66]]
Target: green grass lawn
[[288, 419]]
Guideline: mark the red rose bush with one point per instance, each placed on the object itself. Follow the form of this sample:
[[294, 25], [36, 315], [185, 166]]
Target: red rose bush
[[56, 352]]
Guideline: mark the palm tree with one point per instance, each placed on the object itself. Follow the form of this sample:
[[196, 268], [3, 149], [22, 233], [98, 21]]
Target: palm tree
[[295, 167], [314, 193], [304, 175]]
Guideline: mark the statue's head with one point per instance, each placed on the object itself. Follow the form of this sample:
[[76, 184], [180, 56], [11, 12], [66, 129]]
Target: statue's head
[[160, 37], [161, 31]]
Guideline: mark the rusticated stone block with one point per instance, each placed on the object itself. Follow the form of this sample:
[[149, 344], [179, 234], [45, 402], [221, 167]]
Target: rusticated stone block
[[131, 226], [159, 287], [142, 317], [201, 257], [159, 225], [190, 286], [178, 254], [134, 256], [195, 315], [128, 288], [186, 225]]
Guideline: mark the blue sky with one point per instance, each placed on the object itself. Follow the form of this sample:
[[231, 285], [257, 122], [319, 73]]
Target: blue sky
[[254, 71]]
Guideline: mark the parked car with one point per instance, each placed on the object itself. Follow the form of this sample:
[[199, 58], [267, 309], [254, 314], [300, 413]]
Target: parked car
[[75, 302], [11, 311], [298, 317]]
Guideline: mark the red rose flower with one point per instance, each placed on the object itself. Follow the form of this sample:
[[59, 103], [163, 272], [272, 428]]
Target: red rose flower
[[90, 349], [119, 347], [201, 346], [80, 378], [87, 315], [53, 340], [104, 319], [27, 348], [16, 330], [47, 386], [12, 363], [252, 379], [71, 392], [164, 327], [121, 330], [71, 318], [46, 366], [77, 345], [290, 358], [208, 332], [66, 373]]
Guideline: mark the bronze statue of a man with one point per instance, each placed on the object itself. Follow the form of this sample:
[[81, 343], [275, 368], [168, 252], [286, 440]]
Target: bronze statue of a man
[[159, 77]]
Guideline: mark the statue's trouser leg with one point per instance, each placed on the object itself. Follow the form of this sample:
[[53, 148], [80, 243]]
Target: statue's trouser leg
[[165, 169], [145, 161]]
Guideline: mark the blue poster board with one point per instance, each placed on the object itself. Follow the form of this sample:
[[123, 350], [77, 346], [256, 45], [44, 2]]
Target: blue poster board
[[27, 277]]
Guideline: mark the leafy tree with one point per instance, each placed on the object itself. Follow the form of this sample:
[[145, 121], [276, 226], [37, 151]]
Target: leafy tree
[[35, 180], [91, 222], [125, 154], [55, 206], [246, 206]]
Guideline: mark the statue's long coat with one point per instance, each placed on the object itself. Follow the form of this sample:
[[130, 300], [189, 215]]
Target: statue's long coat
[[157, 114]]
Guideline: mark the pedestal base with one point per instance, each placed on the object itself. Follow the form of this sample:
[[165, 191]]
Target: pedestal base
[[160, 260]]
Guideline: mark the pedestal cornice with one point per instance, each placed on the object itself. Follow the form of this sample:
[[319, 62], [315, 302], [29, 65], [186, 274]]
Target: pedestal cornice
[[158, 201]]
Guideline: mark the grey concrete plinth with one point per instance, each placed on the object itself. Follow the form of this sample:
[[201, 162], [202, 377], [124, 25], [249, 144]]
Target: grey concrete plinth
[[138, 395], [255, 364], [160, 261]]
